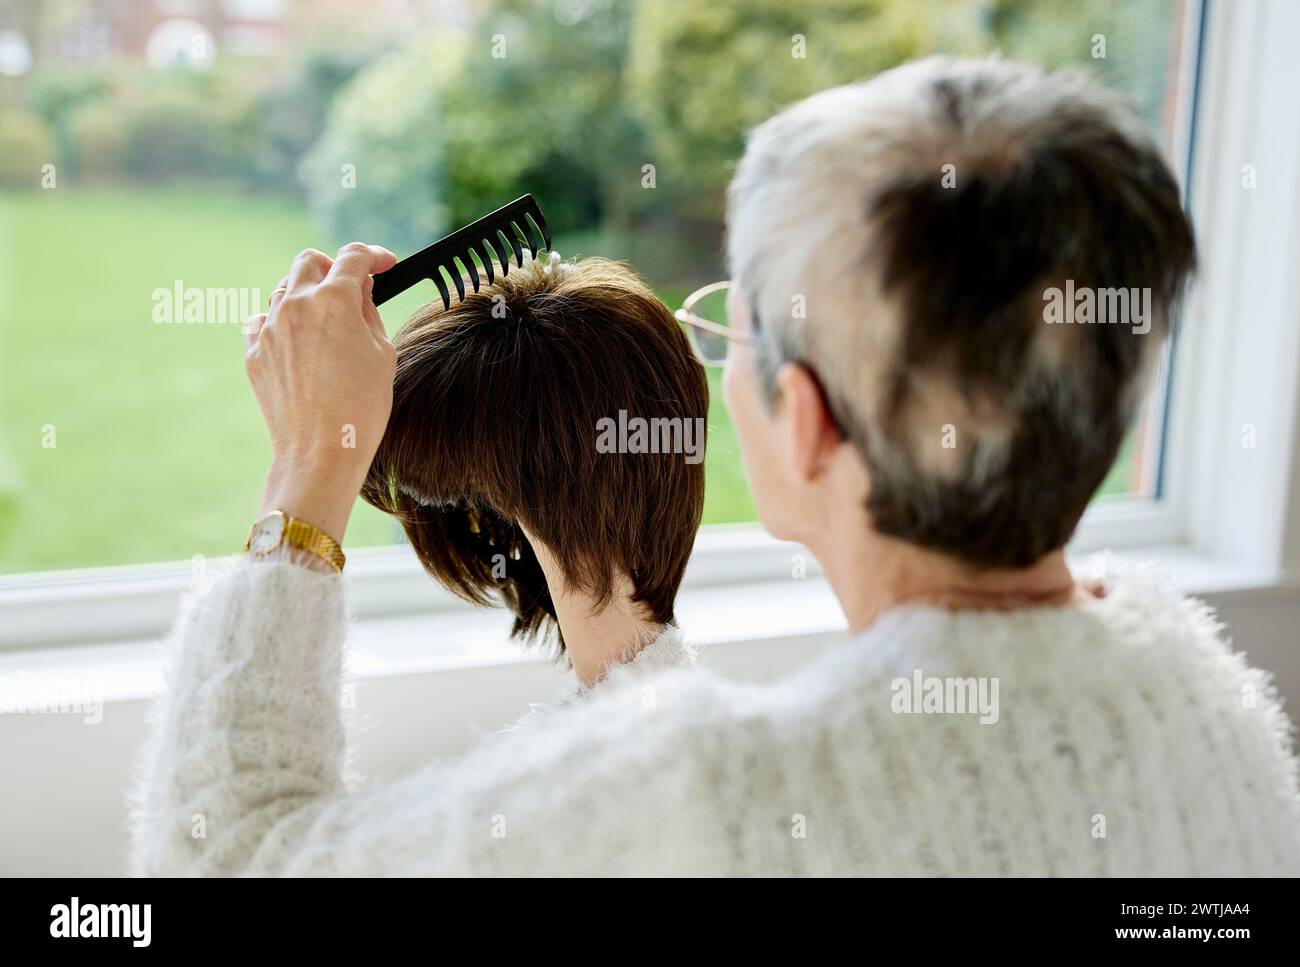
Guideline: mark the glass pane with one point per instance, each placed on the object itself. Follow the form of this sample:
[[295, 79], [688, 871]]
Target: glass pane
[[161, 163]]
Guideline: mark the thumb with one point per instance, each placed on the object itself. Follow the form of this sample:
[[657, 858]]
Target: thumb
[[358, 261]]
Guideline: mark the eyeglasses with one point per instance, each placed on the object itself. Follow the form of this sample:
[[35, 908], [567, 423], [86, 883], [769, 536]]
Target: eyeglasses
[[704, 313]]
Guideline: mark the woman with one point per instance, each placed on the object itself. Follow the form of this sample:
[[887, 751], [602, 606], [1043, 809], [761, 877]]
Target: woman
[[904, 411]]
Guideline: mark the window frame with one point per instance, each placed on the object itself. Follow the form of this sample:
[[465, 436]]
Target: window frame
[[1236, 521]]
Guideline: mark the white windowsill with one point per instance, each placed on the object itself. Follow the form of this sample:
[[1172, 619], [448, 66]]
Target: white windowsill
[[92, 606], [454, 636]]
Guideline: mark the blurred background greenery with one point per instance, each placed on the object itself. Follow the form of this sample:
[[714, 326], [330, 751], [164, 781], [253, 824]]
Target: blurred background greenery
[[206, 142]]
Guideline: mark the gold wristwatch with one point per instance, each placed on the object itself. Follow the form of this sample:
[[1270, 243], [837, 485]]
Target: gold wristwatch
[[278, 528]]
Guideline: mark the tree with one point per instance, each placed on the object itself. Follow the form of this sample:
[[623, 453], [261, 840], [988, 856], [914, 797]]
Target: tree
[[379, 170], [702, 74], [542, 107], [531, 99]]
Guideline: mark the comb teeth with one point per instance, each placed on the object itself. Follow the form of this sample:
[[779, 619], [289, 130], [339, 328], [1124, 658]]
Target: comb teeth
[[508, 230]]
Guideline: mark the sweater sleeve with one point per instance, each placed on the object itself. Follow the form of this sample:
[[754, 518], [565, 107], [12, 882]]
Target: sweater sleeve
[[243, 771], [249, 725]]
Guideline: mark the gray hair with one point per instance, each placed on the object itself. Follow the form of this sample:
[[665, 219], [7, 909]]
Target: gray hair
[[901, 236]]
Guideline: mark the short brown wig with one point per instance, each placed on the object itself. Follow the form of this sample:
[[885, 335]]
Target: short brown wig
[[496, 406]]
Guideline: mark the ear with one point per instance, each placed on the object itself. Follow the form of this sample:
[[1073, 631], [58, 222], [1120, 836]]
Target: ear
[[811, 436]]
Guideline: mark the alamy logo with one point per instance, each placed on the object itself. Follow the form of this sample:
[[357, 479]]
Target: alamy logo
[[919, 695], [24, 694], [211, 306], [666, 434], [102, 920], [1084, 305]]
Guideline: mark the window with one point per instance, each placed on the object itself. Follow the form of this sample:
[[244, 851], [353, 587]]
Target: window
[[128, 436], [158, 172]]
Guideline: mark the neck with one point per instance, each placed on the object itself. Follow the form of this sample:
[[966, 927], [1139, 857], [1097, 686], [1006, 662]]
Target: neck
[[873, 574], [596, 636]]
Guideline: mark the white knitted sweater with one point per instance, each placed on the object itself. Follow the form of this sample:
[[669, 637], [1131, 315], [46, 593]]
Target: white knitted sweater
[[1129, 740]]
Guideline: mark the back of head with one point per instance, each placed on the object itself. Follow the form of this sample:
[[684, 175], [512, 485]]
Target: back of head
[[497, 406], [931, 225]]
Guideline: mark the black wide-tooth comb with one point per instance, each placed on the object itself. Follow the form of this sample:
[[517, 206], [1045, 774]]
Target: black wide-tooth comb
[[511, 228]]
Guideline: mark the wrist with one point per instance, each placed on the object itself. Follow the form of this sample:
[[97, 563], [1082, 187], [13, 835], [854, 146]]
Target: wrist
[[318, 492], [287, 553]]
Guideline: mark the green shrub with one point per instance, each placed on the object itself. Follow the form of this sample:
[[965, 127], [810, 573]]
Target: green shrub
[[59, 93], [170, 130], [442, 131], [293, 109], [388, 130], [550, 117], [703, 74], [96, 142], [26, 144]]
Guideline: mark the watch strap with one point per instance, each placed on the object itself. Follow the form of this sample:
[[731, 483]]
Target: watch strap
[[310, 538]]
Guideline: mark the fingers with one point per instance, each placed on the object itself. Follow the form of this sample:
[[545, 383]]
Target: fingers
[[309, 268], [348, 275], [252, 329], [278, 294], [357, 261], [375, 323]]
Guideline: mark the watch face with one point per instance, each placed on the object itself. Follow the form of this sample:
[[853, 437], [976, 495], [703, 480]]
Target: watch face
[[267, 534]]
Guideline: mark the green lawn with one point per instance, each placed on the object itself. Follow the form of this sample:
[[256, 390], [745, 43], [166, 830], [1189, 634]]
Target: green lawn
[[159, 448]]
